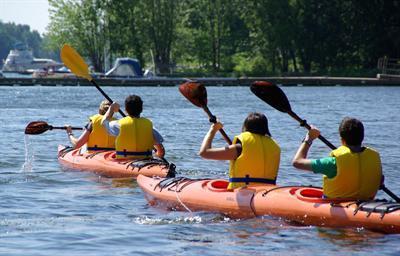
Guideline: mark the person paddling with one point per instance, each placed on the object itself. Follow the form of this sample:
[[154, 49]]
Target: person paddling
[[95, 135], [254, 156], [135, 136], [352, 171]]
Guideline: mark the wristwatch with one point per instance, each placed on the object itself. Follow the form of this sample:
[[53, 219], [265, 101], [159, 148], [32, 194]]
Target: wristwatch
[[308, 142]]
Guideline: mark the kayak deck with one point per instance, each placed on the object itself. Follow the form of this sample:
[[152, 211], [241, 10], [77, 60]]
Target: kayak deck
[[105, 164], [300, 204]]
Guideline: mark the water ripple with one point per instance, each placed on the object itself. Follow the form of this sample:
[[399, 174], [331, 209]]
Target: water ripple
[[45, 210]]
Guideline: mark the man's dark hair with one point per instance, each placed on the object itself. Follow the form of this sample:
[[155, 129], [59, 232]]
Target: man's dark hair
[[352, 131], [256, 123], [133, 105]]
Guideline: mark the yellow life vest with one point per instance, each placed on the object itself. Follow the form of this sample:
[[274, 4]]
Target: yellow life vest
[[135, 139], [258, 162], [358, 174], [99, 139]]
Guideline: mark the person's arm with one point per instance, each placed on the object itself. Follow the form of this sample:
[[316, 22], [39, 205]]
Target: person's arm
[[114, 107], [300, 160], [207, 151], [77, 142], [112, 127]]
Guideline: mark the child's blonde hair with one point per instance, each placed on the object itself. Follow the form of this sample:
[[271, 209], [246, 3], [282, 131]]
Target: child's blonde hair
[[104, 105]]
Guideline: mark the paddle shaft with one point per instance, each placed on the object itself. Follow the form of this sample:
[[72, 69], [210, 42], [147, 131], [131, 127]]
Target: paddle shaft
[[64, 128], [213, 119], [78, 66], [308, 127], [106, 96], [390, 193]]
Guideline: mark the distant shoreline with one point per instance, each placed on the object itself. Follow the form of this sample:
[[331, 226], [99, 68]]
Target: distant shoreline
[[208, 81]]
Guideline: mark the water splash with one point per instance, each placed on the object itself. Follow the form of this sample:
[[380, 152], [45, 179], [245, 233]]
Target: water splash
[[29, 156], [183, 218], [146, 220]]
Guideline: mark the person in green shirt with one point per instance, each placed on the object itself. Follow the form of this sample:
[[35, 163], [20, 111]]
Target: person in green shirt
[[352, 171]]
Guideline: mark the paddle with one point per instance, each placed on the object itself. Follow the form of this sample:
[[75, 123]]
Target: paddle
[[78, 66], [39, 127], [276, 98], [197, 94]]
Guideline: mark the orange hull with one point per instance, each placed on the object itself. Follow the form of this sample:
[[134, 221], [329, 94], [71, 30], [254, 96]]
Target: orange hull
[[303, 205], [105, 164], [199, 195]]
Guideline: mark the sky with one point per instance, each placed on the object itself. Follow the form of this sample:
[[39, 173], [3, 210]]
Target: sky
[[30, 12]]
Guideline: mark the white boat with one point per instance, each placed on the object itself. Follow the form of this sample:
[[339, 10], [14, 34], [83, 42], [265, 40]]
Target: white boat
[[20, 59]]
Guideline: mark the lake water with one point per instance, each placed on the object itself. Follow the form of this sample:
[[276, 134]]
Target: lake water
[[47, 211]]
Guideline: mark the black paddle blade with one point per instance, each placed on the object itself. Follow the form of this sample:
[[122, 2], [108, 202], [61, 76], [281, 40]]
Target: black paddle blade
[[271, 94], [37, 127], [195, 93]]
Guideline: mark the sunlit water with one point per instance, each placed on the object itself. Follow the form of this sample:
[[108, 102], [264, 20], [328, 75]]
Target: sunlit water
[[47, 211]]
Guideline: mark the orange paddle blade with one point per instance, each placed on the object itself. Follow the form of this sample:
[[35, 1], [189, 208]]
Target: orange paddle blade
[[195, 92]]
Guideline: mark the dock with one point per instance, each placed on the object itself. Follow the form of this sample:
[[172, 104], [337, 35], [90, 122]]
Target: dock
[[208, 81]]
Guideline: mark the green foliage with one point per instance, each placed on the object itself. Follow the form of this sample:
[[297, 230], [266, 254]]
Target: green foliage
[[229, 37], [247, 65], [82, 25]]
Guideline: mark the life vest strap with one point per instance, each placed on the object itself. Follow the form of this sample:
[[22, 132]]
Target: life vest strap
[[247, 180], [99, 148], [131, 153]]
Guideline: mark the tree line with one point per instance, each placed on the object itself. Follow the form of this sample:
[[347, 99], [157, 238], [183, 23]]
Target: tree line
[[224, 37]]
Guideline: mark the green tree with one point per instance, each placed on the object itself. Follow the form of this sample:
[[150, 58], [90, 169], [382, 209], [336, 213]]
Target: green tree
[[220, 36], [81, 24], [125, 29], [211, 32], [159, 23], [273, 27], [375, 30]]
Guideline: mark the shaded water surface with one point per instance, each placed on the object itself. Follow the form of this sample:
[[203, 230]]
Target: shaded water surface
[[46, 211]]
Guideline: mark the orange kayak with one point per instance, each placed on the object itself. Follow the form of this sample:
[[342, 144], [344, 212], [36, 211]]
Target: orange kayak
[[105, 164], [298, 204]]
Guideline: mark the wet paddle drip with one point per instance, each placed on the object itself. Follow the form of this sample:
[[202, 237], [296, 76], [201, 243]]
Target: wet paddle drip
[[29, 155]]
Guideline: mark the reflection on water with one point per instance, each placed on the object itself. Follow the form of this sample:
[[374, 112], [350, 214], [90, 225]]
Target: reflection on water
[[353, 238], [124, 183]]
